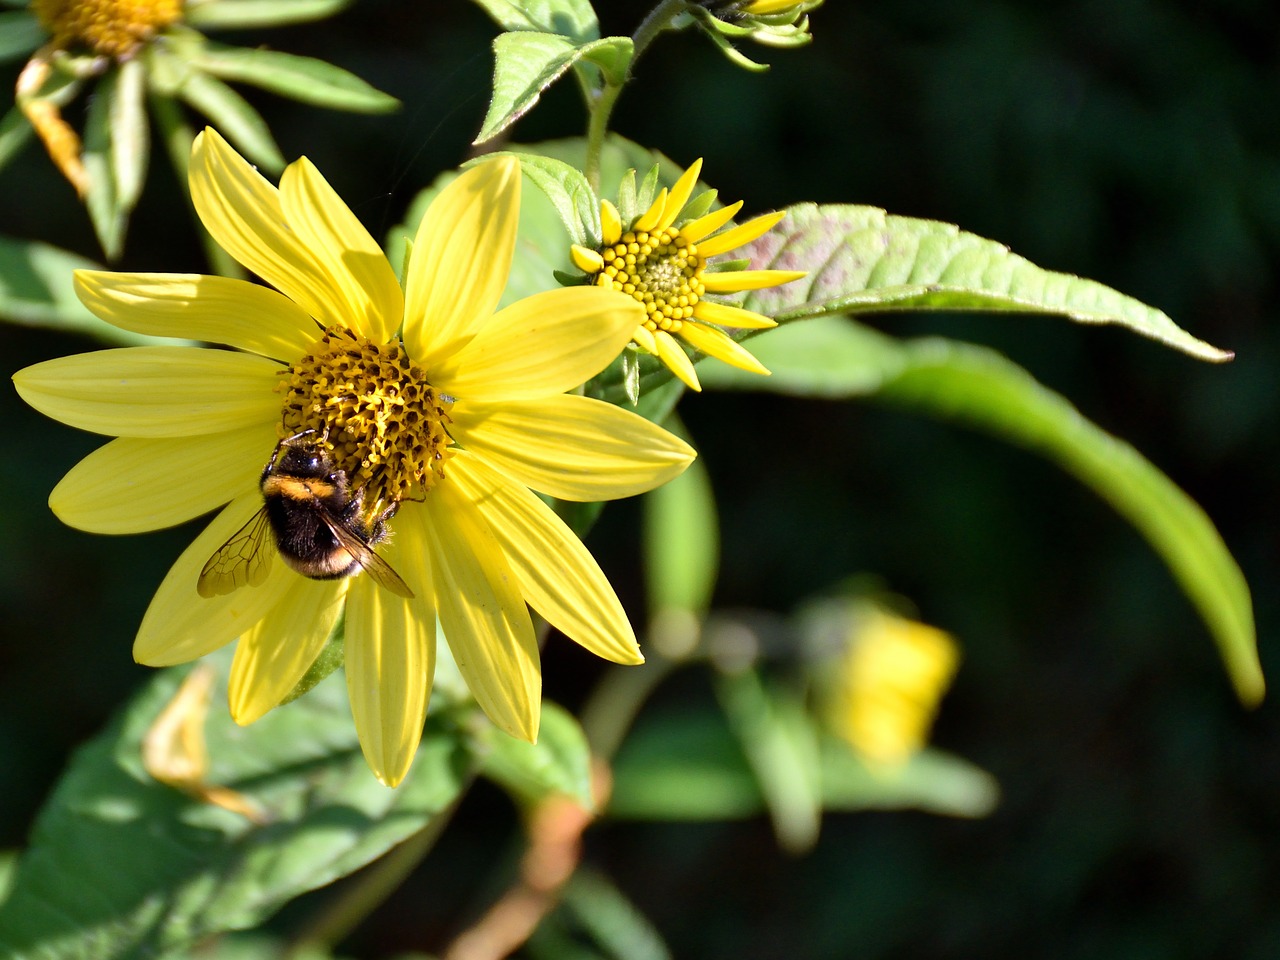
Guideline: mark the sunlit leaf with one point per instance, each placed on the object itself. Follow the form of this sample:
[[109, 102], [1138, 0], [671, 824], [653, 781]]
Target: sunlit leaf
[[121, 866], [241, 14], [834, 357], [107, 211], [574, 19], [560, 762], [862, 260], [526, 63], [567, 189], [300, 78], [234, 117]]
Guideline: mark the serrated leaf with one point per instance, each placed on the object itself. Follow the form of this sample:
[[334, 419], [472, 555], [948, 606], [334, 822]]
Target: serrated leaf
[[122, 866], [982, 388], [681, 541], [304, 79], [234, 118], [20, 34], [567, 189], [559, 763], [244, 14], [574, 19], [36, 290], [527, 62], [862, 260]]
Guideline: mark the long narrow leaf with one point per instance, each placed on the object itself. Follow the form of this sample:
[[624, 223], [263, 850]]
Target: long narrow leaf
[[835, 357]]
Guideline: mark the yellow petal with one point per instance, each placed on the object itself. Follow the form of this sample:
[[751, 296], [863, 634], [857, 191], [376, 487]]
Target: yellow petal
[[180, 625], [557, 574], [650, 219], [217, 309], [546, 343], [482, 613], [732, 281], [372, 301], [243, 213], [135, 484], [724, 315], [154, 391], [276, 651], [718, 344], [677, 361], [461, 257], [695, 230], [644, 337], [390, 648], [585, 259], [571, 447], [732, 239], [610, 223], [680, 193]]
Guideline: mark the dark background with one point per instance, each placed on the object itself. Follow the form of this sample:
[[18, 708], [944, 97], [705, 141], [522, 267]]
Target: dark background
[[1132, 142]]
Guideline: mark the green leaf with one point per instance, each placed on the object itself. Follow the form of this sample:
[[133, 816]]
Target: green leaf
[[565, 186], [123, 866], [932, 781], [15, 131], [300, 78], [528, 62], [862, 260], [559, 763], [244, 14], [780, 742], [130, 137], [36, 290], [574, 19], [611, 920], [681, 541], [981, 388], [688, 766], [107, 211], [20, 34], [234, 118]]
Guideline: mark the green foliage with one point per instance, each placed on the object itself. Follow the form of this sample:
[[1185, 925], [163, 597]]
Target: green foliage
[[862, 260], [123, 866], [836, 358], [304, 79], [681, 542], [558, 763]]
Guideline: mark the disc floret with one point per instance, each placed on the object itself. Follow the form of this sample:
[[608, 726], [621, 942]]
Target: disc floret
[[383, 423], [108, 28]]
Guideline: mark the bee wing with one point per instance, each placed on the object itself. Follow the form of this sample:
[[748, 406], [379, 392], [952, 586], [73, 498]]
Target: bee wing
[[239, 561], [370, 562]]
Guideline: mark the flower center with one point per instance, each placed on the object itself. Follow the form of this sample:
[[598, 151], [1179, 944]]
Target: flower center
[[662, 270], [109, 28], [383, 423]]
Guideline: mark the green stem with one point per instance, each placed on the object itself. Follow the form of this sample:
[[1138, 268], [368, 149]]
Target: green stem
[[612, 707], [601, 110]]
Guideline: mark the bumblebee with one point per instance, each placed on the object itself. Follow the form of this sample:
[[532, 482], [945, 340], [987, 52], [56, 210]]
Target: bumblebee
[[318, 521]]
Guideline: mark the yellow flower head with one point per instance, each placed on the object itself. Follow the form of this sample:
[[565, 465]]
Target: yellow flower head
[[432, 417], [108, 28], [889, 684], [662, 264]]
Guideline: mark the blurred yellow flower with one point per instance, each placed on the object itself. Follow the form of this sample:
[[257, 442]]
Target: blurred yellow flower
[[889, 684], [453, 421], [663, 265]]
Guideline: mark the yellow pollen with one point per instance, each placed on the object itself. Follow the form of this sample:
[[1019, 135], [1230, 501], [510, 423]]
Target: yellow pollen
[[108, 28], [383, 423], [661, 270]]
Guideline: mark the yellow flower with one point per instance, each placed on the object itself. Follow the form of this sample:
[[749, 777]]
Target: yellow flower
[[764, 8], [455, 420], [107, 28], [889, 684], [664, 267]]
